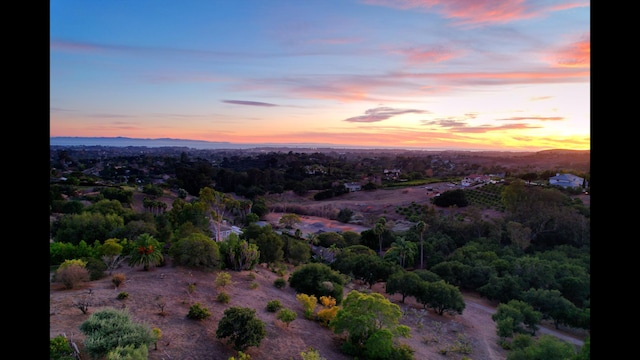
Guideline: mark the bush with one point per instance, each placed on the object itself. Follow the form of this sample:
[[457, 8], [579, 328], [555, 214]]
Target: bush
[[123, 295], [223, 297], [280, 283], [198, 312], [60, 348], [129, 352], [108, 329], [286, 316], [274, 305], [223, 279], [96, 268], [72, 275], [242, 327], [118, 279]]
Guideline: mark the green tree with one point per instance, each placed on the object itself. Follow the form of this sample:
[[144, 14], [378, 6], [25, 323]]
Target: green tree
[[87, 226], [297, 251], [364, 265], [502, 288], [403, 282], [344, 215], [218, 205], [402, 252], [319, 280], [441, 297], [239, 254], [242, 328], [271, 247], [111, 252], [551, 304], [521, 313], [330, 238], [289, 220], [110, 328], [196, 251], [147, 252], [368, 316]]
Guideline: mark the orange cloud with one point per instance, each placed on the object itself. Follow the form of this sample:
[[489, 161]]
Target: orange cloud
[[576, 55]]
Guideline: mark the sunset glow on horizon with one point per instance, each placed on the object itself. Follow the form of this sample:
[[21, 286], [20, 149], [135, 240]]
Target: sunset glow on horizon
[[506, 75]]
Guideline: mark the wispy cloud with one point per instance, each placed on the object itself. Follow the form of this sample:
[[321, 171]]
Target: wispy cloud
[[429, 55], [537, 118], [382, 113], [460, 125], [250, 103], [480, 12]]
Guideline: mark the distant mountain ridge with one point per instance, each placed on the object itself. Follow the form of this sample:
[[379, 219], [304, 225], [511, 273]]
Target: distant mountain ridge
[[162, 142], [121, 141]]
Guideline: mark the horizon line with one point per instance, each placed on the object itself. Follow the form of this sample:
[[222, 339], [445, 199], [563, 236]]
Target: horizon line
[[219, 145]]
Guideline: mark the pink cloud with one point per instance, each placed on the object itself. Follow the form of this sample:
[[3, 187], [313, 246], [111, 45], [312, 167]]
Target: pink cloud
[[478, 12], [434, 55], [575, 55]]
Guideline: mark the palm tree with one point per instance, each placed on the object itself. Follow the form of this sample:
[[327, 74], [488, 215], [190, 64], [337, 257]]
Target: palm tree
[[379, 229], [421, 226], [403, 250], [146, 252]]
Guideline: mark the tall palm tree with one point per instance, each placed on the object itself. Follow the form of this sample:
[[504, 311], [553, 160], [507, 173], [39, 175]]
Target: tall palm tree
[[421, 226], [379, 229], [146, 252]]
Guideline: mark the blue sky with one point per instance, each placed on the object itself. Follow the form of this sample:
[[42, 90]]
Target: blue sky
[[469, 75]]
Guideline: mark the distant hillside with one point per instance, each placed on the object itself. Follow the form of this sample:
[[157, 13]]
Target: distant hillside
[[125, 141], [204, 145]]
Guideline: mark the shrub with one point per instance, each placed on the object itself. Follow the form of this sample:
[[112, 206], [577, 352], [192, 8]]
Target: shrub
[[286, 316], [198, 312], [280, 283], [311, 354], [274, 305], [254, 285], [60, 348], [308, 303], [110, 328], [123, 295], [191, 287], [326, 315], [223, 297], [129, 352], [118, 279], [95, 267], [223, 279], [72, 275], [242, 327]]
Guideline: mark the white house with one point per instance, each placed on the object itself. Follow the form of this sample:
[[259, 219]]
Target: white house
[[475, 179], [567, 180], [226, 230], [353, 187]]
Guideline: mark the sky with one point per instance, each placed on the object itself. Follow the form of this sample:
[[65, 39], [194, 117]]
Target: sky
[[503, 75]]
